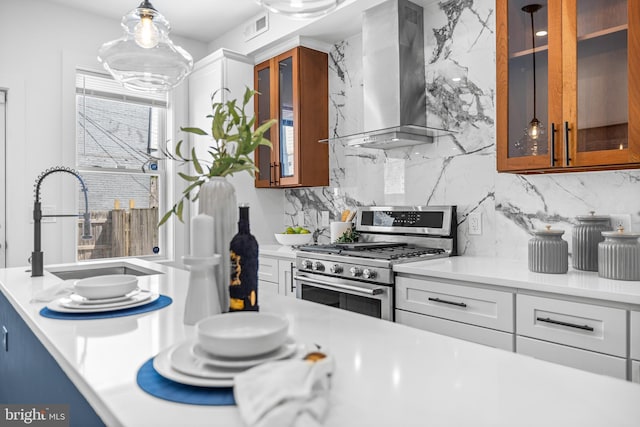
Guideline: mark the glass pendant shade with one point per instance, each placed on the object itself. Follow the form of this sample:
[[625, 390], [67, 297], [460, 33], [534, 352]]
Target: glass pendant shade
[[300, 9], [535, 129], [144, 59]]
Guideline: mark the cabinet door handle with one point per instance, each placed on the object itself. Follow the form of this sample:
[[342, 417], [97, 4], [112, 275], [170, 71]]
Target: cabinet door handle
[[271, 174], [292, 276], [566, 143], [444, 301], [5, 338], [553, 144], [277, 167], [561, 323]]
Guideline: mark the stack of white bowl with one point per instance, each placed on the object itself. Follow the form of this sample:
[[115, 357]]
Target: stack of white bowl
[[226, 345], [104, 293]]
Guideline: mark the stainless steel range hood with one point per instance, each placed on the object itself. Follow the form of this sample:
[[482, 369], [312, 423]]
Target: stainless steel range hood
[[395, 104]]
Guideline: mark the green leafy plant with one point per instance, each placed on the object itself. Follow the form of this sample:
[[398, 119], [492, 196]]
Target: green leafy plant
[[234, 140], [349, 236]]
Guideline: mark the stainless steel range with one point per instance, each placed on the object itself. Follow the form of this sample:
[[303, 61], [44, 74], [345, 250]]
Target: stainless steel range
[[359, 276]]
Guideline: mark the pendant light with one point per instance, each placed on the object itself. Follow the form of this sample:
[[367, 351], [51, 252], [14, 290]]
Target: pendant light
[[300, 9], [144, 59], [535, 129]]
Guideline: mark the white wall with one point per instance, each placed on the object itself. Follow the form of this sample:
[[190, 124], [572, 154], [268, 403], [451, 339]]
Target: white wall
[[40, 44]]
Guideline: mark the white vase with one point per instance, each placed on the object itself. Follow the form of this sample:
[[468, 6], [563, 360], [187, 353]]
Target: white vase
[[218, 199]]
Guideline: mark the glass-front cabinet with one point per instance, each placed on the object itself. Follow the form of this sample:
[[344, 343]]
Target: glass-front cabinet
[[568, 85], [293, 90]]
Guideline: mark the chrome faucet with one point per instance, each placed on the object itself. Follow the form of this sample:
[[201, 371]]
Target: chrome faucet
[[37, 263]]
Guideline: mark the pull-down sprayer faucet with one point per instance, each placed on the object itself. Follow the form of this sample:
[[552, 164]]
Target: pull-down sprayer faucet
[[37, 255]]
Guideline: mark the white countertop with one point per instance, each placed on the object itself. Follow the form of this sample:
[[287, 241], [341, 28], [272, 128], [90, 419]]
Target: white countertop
[[516, 274], [278, 251], [386, 374]]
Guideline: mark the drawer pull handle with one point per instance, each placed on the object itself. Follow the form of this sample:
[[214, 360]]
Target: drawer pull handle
[[558, 322], [444, 301]]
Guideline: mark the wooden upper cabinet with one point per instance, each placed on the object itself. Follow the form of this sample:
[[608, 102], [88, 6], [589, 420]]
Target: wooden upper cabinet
[[293, 90], [587, 85]]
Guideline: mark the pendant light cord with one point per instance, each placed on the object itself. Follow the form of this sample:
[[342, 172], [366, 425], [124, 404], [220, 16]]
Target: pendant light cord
[[533, 54]]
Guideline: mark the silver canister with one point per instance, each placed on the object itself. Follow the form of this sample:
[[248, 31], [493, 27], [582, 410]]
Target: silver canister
[[548, 252], [585, 238], [619, 255]]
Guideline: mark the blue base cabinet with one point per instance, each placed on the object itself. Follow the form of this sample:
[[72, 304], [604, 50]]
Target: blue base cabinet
[[29, 375]]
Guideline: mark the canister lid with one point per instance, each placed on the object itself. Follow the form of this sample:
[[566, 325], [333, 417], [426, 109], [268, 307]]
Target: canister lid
[[548, 231], [620, 233], [593, 217]]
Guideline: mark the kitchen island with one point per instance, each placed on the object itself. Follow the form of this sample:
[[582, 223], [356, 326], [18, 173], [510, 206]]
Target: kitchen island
[[386, 374]]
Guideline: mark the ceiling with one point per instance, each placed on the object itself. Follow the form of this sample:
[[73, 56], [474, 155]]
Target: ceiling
[[202, 20], [207, 20]]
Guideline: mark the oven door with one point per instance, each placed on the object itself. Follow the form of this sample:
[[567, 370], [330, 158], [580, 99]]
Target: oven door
[[360, 297]]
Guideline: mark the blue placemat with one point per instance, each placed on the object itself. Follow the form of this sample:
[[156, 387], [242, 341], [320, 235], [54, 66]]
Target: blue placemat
[[161, 302], [156, 385]]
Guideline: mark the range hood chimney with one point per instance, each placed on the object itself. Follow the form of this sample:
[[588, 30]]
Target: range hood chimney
[[395, 100]]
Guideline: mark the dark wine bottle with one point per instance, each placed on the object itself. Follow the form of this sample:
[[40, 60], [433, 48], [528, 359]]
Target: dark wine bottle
[[243, 287]]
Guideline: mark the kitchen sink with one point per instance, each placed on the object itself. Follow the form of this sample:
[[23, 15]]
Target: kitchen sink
[[82, 272]]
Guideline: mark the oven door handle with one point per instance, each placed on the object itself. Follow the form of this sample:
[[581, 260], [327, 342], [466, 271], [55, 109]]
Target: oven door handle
[[342, 287]]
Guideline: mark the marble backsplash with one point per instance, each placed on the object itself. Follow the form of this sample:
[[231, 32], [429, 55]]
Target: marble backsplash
[[460, 168]]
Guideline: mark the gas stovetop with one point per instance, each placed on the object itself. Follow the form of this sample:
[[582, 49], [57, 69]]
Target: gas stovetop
[[375, 250], [372, 263]]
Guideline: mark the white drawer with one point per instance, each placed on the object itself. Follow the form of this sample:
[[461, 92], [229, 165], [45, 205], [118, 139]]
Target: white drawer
[[635, 371], [574, 357], [587, 326], [635, 335], [267, 288], [476, 306], [497, 339], [268, 269]]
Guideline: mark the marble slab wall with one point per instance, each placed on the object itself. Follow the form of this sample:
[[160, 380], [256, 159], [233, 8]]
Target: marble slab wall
[[457, 169]]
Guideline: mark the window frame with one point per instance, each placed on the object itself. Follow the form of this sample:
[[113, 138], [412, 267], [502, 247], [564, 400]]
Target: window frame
[[163, 173]]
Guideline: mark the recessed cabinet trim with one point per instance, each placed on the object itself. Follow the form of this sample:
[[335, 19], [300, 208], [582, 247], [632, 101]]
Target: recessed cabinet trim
[[293, 90], [573, 141]]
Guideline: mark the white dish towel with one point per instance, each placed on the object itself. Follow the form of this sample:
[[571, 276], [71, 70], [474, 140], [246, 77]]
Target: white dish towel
[[285, 393], [63, 289]]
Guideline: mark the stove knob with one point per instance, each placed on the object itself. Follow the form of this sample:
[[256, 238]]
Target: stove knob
[[335, 268], [355, 271], [306, 264], [317, 266], [368, 274]]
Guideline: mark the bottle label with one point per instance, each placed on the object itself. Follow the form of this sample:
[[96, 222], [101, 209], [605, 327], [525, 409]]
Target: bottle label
[[243, 296], [236, 269]]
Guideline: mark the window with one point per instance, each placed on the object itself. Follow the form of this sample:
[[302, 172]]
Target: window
[[118, 137]]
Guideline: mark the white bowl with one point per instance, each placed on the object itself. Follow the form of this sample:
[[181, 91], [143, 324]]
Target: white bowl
[[294, 239], [241, 334], [109, 286]]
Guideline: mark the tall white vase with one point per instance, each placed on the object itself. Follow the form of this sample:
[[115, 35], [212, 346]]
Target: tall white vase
[[218, 199]]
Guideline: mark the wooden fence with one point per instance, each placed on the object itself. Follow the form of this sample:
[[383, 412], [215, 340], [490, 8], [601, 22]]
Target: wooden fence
[[119, 233]]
